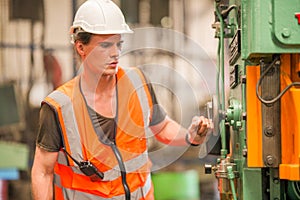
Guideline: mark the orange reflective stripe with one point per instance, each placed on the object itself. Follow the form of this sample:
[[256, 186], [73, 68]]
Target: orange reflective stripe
[[142, 192], [114, 173]]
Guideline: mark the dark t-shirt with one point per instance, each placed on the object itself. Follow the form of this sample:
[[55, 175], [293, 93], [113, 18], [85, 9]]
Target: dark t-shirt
[[49, 135]]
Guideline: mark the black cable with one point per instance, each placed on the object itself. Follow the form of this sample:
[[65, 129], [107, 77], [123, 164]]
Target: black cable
[[281, 93], [117, 152], [123, 171], [77, 162]]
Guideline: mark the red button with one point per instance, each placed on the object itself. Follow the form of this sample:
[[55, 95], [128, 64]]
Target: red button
[[297, 15]]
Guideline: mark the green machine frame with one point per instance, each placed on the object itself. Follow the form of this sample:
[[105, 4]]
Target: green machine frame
[[253, 33]]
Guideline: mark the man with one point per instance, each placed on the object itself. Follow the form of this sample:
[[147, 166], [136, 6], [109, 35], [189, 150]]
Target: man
[[92, 140]]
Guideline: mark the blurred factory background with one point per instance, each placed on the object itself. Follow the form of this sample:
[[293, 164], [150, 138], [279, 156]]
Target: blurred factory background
[[36, 56]]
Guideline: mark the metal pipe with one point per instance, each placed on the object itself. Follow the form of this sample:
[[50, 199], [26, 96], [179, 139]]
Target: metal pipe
[[221, 69], [5, 45], [231, 179]]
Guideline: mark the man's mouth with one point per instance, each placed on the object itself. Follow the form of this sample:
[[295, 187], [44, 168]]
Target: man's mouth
[[113, 64]]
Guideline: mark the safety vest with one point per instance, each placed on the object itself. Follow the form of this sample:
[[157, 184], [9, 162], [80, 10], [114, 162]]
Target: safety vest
[[128, 153]]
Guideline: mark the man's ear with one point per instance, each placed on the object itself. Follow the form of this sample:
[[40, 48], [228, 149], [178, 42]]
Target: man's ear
[[80, 48]]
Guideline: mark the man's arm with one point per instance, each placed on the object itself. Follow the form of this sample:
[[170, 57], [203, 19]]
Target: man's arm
[[170, 132], [42, 174]]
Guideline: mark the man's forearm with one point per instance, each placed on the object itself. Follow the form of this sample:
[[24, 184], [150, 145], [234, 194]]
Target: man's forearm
[[170, 132], [42, 174], [42, 186]]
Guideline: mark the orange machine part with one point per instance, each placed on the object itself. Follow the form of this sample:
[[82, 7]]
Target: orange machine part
[[289, 168], [254, 119], [290, 117]]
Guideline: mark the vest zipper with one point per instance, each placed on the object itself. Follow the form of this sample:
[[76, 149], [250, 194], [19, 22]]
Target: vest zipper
[[123, 170]]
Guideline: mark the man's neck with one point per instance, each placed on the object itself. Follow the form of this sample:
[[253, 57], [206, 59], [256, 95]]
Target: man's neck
[[98, 85]]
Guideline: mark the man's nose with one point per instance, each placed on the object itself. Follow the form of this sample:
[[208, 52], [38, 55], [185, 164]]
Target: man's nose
[[115, 51]]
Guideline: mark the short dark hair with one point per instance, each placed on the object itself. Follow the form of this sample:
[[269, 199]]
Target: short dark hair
[[82, 36]]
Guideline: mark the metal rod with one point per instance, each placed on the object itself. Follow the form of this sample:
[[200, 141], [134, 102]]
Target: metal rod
[[221, 69]]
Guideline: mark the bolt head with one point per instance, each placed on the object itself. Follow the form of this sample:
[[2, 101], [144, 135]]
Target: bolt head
[[286, 33]]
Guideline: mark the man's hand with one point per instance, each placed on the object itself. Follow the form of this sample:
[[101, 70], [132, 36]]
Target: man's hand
[[199, 129]]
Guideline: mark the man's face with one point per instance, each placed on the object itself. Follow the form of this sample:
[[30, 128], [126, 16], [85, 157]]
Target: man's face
[[102, 53]]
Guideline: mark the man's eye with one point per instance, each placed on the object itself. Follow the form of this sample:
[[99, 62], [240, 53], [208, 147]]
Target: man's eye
[[105, 45], [119, 44]]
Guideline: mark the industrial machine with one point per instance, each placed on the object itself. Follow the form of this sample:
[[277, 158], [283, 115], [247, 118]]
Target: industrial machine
[[259, 122]]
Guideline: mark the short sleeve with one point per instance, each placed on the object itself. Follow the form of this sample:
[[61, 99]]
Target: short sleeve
[[49, 136]]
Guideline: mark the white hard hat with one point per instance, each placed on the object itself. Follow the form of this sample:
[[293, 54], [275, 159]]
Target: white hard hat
[[100, 17]]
